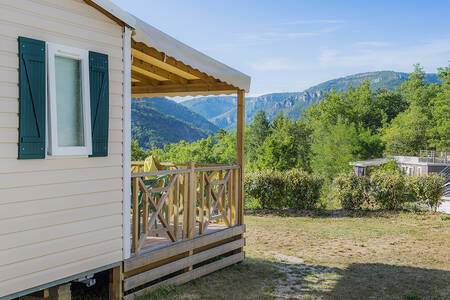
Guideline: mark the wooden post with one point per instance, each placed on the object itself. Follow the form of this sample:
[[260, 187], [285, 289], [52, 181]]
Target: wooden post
[[135, 225], [145, 212], [240, 151], [176, 208], [115, 283], [202, 202], [192, 200]]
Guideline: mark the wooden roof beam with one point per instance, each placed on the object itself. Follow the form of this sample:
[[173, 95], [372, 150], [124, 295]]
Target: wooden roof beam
[[193, 87], [144, 79], [170, 61], [158, 71]]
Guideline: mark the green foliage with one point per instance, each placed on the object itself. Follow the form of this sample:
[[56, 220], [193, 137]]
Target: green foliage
[[350, 190], [389, 188], [440, 113], [137, 153], [287, 147], [428, 190], [390, 165], [266, 186], [291, 189], [159, 121], [303, 189], [333, 148], [426, 122]]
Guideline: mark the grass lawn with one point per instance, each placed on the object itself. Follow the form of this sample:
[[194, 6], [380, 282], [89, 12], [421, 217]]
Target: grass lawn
[[369, 255]]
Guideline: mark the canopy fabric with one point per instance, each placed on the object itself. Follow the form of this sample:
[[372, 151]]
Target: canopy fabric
[[162, 42]]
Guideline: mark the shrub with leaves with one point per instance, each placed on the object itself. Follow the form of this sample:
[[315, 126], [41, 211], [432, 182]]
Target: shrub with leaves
[[350, 190], [389, 188], [303, 189], [268, 187], [428, 190]]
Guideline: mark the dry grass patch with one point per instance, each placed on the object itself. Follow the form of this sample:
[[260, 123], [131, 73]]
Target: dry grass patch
[[376, 255]]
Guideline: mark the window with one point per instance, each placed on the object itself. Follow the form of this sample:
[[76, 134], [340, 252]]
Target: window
[[69, 113], [63, 101]]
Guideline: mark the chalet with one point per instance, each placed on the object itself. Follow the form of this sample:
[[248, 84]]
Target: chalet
[[70, 207]]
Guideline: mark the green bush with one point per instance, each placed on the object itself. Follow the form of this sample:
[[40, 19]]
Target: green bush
[[267, 186], [428, 190], [276, 190], [350, 190], [389, 188], [303, 189]]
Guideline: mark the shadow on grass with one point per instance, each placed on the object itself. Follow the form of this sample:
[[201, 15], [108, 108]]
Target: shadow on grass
[[331, 213], [264, 279], [382, 281]]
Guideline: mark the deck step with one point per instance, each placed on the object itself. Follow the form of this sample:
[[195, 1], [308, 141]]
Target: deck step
[[182, 261]]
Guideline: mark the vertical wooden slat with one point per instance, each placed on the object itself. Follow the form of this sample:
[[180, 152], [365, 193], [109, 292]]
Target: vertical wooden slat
[[235, 196], [222, 196], [167, 205], [192, 200], [145, 211], [135, 225], [230, 198], [240, 151], [185, 204], [202, 202], [208, 201], [176, 207]]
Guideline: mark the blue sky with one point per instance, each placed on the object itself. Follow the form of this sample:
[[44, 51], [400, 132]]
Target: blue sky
[[291, 45]]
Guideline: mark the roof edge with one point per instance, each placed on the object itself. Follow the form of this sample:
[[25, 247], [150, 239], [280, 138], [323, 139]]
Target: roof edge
[[115, 11]]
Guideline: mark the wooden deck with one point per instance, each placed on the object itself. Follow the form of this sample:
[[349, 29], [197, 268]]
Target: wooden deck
[[186, 223], [169, 263], [162, 239]]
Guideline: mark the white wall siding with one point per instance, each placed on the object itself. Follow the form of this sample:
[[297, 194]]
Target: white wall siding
[[59, 216]]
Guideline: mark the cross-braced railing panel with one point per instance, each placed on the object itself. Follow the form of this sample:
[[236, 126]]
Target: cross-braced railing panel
[[183, 203]]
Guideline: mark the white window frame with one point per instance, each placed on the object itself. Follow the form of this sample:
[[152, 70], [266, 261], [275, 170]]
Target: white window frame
[[83, 55]]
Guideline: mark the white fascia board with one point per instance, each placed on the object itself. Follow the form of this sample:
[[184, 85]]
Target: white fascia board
[[116, 12]]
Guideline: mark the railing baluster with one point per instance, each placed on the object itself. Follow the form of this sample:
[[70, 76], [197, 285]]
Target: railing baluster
[[235, 196], [135, 225], [145, 196], [185, 205], [202, 202], [176, 206], [230, 198]]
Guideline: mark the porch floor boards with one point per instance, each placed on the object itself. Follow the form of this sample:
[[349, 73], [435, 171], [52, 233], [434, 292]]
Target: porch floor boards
[[162, 239]]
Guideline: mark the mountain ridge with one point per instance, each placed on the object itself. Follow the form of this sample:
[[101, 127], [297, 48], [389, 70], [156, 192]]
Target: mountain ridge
[[223, 113], [160, 121]]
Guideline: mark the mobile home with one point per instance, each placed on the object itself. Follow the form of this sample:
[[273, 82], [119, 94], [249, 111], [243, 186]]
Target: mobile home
[[69, 205]]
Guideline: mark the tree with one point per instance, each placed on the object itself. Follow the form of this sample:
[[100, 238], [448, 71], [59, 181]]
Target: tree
[[407, 134], [259, 129], [440, 111], [333, 148], [257, 132], [287, 147], [428, 190]]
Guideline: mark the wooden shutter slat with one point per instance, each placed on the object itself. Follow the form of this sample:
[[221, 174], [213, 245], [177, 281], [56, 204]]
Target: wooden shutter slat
[[32, 99], [99, 94]]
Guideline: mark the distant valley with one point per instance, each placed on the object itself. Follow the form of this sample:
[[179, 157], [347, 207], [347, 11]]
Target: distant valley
[[160, 121]]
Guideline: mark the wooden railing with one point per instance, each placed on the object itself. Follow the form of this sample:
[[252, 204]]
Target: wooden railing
[[183, 201]]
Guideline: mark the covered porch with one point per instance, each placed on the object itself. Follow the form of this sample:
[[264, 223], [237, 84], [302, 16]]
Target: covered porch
[[186, 219]]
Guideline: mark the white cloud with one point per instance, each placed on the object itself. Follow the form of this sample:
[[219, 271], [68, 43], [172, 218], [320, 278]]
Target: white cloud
[[430, 54], [274, 64], [372, 44], [285, 35], [275, 36], [316, 21]]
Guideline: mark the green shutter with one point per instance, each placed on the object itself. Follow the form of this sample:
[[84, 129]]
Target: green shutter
[[99, 86], [32, 86]]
